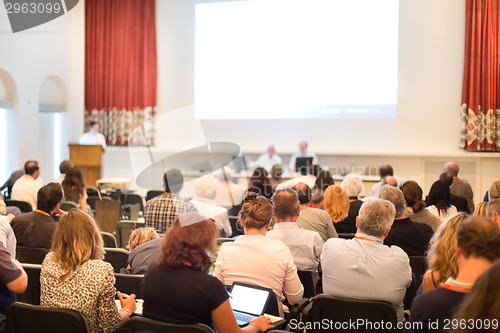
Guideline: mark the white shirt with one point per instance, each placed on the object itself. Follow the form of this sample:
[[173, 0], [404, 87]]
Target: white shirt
[[26, 189], [265, 161], [261, 261], [450, 212], [305, 245], [209, 209], [291, 165], [7, 236], [366, 269], [309, 180], [223, 196], [91, 138]]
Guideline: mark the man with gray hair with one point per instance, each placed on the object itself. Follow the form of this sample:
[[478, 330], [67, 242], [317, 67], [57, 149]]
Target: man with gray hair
[[493, 210], [305, 245], [369, 269], [460, 187], [412, 237]]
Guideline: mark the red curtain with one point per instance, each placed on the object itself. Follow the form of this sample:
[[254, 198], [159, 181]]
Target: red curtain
[[120, 66], [481, 83]]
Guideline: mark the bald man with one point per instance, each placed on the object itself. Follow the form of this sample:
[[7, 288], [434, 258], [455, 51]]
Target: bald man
[[460, 187]]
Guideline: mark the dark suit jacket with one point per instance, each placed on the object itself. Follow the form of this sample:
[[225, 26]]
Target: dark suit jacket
[[460, 203], [411, 237]]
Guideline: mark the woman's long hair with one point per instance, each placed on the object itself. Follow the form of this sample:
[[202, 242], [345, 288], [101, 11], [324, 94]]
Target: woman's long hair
[[336, 203], [439, 196]]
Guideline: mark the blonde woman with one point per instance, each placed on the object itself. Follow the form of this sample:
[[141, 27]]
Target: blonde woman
[[442, 254], [74, 276], [337, 206], [140, 236], [493, 193]]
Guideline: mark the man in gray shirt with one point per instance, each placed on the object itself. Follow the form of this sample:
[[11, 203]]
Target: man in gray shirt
[[460, 187]]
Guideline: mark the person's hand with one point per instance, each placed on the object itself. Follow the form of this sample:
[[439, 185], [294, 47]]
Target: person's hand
[[59, 212], [263, 323], [127, 303], [10, 216]]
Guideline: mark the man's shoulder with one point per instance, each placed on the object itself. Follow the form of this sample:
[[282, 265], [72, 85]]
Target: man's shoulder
[[316, 212]]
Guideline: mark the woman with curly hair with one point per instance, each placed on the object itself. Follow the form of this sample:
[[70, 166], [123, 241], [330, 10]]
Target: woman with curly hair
[[442, 254], [177, 289]]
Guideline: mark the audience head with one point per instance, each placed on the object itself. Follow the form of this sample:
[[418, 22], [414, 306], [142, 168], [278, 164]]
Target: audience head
[[65, 166], [353, 185], [479, 237], [481, 209], [256, 212], [76, 240], [286, 205], [336, 203], [482, 301], [376, 217], [442, 252], [206, 187], [74, 184], [446, 178], [385, 170], [32, 168], [259, 181], [140, 236], [49, 197], [412, 193], [191, 244], [304, 193], [494, 192], [452, 168], [493, 210], [276, 171], [390, 180], [439, 196], [303, 147], [323, 180], [395, 196], [173, 181], [314, 170]]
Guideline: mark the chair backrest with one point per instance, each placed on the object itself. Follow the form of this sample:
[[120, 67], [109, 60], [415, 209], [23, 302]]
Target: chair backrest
[[124, 229], [235, 226], [68, 205], [129, 283], [146, 325], [32, 293], [108, 239], [153, 193], [116, 257], [30, 255], [132, 198], [306, 278], [27, 318], [419, 266], [336, 309], [411, 292], [107, 214], [24, 206], [346, 235]]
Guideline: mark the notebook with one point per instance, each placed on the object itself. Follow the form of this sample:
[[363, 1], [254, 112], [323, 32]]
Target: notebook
[[248, 302]]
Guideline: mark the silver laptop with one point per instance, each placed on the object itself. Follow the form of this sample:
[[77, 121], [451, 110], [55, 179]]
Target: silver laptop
[[248, 302]]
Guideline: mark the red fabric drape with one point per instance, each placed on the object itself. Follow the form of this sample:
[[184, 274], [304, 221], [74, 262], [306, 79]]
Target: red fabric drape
[[481, 82], [120, 64]]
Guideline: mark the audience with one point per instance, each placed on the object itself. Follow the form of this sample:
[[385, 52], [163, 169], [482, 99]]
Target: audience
[[493, 210], [309, 178], [177, 289], [363, 267], [337, 206], [266, 160], [491, 194], [353, 187], [206, 190], [459, 202], [230, 194], [460, 187], [477, 248], [36, 228], [252, 258], [140, 236], [13, 279], [305, 245], [143, 255], [161, 211], [7, 236], [438, 201], [27, 186], [74, 276], [415, 207], [441, 255], [276, 175], [411, 237], [259, 183], [74, 188], [312, 218], [323, 180], [384, 171], [63, 168], [481, 306]]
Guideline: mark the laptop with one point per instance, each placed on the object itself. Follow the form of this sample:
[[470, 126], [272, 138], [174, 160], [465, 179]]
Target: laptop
[[302, 164], [248, 301]]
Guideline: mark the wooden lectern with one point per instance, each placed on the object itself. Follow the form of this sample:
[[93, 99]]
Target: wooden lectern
[[89, 159]]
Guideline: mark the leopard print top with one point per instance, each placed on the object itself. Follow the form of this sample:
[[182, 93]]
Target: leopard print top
[[89, 290]]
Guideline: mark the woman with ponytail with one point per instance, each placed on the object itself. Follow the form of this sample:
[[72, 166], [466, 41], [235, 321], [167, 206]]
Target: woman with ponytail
[[415, 207]]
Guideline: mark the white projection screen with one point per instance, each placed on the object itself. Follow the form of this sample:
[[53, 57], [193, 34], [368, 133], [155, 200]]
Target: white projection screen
[[296, 59]]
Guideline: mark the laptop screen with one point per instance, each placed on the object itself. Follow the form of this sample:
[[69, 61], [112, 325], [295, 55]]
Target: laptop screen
[[248, 299]]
